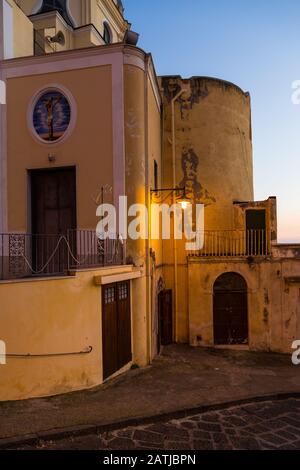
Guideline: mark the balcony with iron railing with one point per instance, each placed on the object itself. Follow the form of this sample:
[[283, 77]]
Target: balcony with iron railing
[[25, 255], [233, 244]]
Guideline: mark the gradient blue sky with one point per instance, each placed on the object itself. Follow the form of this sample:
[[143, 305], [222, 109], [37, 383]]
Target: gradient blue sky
[[255, 44]]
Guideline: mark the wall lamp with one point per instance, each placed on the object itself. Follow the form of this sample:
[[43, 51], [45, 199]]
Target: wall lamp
[[181, 197]]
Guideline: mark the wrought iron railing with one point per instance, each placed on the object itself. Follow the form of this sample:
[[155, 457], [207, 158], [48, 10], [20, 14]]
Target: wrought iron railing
[[233, 243], [88, 250], [25, 255]]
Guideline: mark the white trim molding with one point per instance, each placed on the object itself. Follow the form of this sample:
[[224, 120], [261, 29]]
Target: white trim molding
[[3, 164], [1, 31]]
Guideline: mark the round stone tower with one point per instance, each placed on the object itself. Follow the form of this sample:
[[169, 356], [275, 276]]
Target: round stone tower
[[213, 144]]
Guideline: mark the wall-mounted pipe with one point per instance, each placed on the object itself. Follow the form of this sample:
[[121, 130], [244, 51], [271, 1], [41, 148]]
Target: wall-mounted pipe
[[174, 202]]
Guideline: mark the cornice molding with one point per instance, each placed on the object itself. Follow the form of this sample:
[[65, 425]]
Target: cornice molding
[[50, 15], [91, 28], [72, 54], [131, 55]]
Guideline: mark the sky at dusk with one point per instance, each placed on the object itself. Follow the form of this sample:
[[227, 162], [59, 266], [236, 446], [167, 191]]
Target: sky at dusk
[[255, 44]]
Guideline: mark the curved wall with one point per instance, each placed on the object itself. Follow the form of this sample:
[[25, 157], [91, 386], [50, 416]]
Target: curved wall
[[213, 163], [213, 144]]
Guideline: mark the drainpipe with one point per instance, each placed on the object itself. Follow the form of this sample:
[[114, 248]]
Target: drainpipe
[[148, 205], [174, 202]]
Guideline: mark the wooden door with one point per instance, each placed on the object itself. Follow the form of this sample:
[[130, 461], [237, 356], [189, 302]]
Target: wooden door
[[124, 324], [116, 327], [256, 232], [53, 195], [230, 318], [165, 316], [109, 330], [53, 213], [230, 310]]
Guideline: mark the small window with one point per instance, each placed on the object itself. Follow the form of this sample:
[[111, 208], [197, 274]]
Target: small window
[[109, 295], [155, 175], [107, 36], [123, 291]]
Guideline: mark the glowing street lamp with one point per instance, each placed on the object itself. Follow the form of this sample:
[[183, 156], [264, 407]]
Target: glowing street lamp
[[183, 200]]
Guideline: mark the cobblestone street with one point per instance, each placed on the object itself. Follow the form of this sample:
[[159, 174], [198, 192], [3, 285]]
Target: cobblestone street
[[266, 425]]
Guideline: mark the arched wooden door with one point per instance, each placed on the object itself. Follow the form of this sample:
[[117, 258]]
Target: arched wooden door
[[230, 310]]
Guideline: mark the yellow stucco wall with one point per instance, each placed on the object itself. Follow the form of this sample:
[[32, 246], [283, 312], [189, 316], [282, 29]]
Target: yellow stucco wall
[[22, 32], [142, 147], [154, 154], [135, 147], [50, 316], [85, 38], [104, 11], [213, 161], [89, 147], [135, 184], [213, 128], [23, 38], [273, 305]]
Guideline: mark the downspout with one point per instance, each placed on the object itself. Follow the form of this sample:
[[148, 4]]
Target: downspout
[[1, 125], [148, 205], [174, 202]]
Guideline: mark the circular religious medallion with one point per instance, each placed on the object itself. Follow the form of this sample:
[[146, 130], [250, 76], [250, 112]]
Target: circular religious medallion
[[51, 115]]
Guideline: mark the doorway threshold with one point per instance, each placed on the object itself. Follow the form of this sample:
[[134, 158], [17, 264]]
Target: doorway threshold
[[237, 347]]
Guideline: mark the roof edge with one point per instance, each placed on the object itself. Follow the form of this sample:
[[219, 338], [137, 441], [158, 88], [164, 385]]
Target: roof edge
[[212, 79]]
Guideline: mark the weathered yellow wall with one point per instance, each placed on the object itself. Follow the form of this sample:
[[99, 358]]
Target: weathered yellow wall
[[213, 128], [142, 147], [52, 316], [154, 154], [135, 147], [89, 147], [213, 162], [273, 305], [135, 186], [270, 208]]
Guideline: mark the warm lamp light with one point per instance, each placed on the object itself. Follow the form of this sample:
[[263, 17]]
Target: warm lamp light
[[184, 204], [183, 200]]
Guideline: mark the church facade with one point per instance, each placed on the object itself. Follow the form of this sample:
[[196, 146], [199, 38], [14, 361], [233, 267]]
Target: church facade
[[86, 120]]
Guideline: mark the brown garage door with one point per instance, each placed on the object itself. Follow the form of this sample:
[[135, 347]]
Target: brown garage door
[[116, 327]]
